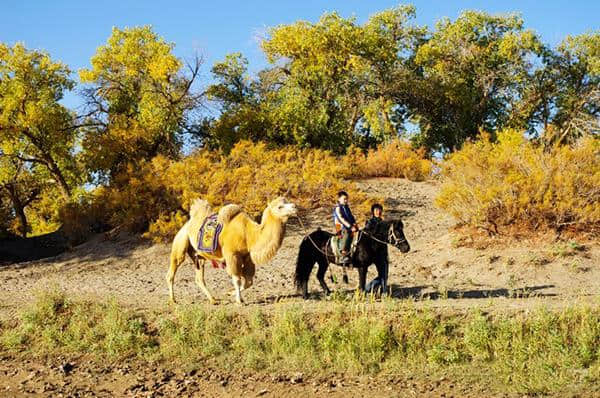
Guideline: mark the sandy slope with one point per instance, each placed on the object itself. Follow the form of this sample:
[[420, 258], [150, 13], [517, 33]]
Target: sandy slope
[[435, 272]]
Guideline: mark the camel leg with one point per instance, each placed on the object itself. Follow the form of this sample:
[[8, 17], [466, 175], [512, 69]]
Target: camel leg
[[199, 263], [247, 278], [234, 269], [248, 271], [176, 260], [237, 284]]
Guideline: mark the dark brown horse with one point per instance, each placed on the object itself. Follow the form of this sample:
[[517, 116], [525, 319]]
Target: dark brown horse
[[370, 249]]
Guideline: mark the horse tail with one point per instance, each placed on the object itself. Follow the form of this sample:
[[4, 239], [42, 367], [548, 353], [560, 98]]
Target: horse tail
[[304, 262]]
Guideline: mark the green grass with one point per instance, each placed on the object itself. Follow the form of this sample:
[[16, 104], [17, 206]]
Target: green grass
[[539, 352]]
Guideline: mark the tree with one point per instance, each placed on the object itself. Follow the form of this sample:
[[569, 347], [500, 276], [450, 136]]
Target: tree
[[241, 103], [21, 187], [334, 87], [468, 75], [575, 69], [561, 101], [34, 127], [140, 99], [6, 215]]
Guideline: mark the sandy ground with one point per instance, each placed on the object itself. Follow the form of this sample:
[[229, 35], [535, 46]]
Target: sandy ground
[[437, 272], [77, 377]]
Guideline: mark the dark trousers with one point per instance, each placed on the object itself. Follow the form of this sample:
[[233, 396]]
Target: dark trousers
[[345, 239]]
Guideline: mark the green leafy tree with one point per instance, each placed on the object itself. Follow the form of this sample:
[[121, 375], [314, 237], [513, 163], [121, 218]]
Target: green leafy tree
[[561, 101], [575, 70], [241, 104], [334, 87], [468, 76]]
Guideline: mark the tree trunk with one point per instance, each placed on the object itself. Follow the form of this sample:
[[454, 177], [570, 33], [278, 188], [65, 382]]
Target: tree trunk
[[62, 183], [24, 227], [19, 209]]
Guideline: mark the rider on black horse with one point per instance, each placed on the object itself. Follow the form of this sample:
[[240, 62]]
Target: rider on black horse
[[345, 225]]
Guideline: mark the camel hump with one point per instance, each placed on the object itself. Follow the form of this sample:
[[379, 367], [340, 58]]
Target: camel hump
[[227, 213], [200, 206]]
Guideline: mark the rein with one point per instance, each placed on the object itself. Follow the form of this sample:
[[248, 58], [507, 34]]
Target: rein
[[391, 233], [311, 240]]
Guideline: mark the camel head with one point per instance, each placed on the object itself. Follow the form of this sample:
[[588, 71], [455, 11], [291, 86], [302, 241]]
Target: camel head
[[282, 209]]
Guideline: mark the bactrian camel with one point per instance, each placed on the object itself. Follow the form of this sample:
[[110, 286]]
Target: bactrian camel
[[243, 244]]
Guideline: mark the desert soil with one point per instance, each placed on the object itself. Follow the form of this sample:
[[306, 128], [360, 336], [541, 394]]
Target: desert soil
[[440, 271]]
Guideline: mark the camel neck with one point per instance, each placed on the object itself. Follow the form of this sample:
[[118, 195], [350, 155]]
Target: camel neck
[[266, 238]]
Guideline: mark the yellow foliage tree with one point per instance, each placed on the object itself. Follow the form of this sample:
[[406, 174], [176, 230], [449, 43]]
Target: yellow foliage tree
[[138, 95]]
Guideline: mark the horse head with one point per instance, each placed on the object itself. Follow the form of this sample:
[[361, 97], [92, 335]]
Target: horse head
[[396, 236]]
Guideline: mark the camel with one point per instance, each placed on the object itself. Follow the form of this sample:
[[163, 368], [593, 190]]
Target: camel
[[243, 244]]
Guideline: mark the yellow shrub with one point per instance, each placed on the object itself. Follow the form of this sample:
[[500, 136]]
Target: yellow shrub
[[514, 182], [154, 196], [394, 159], [85, 215]]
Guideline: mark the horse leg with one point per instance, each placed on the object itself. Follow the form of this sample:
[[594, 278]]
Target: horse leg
[[307, 256], [323, 264], [383, 271], [362, 278]]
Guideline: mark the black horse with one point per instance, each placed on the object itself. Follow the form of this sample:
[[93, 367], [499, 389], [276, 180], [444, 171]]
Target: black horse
[[370, 249]]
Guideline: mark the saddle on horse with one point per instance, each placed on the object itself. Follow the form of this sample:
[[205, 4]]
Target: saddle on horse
[[336, 248]]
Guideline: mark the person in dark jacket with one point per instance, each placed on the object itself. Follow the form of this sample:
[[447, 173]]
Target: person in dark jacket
[[376, 216], [345, 225], [380, 282]]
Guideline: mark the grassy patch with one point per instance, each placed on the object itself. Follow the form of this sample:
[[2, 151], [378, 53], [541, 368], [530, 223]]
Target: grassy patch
[[539, 352]]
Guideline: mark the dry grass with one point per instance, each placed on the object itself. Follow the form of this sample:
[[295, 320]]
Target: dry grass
[[538, 352]]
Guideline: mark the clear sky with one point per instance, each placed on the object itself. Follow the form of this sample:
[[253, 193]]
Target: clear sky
[[72, 30]]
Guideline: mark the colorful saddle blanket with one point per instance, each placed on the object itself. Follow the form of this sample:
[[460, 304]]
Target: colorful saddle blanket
[[208, 237]]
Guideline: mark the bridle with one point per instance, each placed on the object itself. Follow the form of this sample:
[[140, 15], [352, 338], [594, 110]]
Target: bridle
[[392, 239], [392, 235]]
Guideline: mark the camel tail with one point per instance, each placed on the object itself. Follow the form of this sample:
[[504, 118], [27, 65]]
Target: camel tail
[[227, 213], [199, 206]]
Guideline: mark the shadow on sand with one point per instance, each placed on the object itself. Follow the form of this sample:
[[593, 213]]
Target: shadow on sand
[[419, 293], [422, 293]]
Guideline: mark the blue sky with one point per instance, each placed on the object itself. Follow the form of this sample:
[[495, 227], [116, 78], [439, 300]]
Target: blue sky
[[72, 30]]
